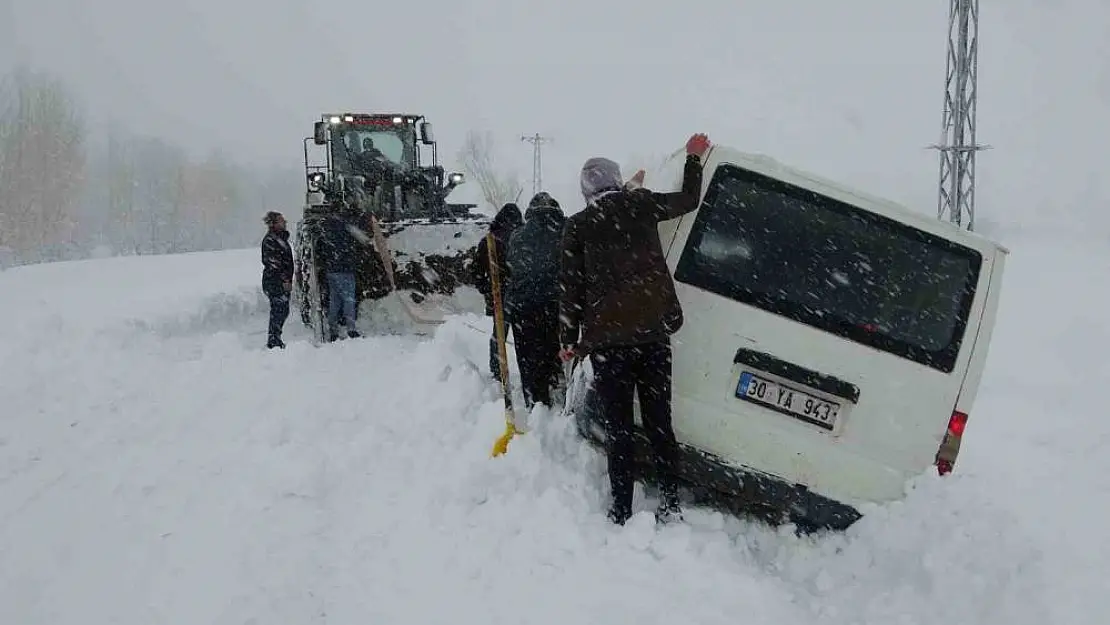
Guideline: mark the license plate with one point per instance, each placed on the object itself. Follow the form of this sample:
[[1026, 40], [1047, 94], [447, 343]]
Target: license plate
[[788, 400]]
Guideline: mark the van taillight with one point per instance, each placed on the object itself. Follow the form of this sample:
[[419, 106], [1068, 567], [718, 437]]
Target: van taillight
[[950, 446], [957, 423]]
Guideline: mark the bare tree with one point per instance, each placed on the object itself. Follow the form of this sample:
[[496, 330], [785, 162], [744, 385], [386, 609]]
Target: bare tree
[[212, 196], [160, 194], [118, 174], [42, 165], [477, 158]]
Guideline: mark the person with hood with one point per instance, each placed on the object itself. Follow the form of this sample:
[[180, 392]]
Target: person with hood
[[533, 297], [277, 274], [340, 245], [619, 306], [504, 223]]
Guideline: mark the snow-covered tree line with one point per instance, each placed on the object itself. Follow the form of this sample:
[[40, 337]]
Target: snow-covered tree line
[[68, 190]]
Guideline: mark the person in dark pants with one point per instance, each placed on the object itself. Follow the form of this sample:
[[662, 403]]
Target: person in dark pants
[[277, 275], [504, 223], [619, 306], [341, 248], [533, 297]]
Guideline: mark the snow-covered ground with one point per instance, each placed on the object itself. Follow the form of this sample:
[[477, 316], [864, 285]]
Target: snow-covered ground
[[158, 466]]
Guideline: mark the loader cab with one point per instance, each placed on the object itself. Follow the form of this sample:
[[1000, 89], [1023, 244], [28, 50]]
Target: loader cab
[[833, 343], [406, 140], [394, 146], [394, 151]]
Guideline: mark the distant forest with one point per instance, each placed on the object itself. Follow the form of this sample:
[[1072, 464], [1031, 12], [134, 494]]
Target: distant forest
[[70, 191]]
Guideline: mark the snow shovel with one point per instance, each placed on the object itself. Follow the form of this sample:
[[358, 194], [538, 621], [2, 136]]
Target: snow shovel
[[387, 263], [501, 445]]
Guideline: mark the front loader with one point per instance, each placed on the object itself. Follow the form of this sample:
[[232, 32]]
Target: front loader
[[386, 165]]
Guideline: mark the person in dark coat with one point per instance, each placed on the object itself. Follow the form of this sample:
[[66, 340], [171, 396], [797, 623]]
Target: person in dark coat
[[372, 164], [619, 306], [504, 223], [277, 274], [533, 297], [340, 247]]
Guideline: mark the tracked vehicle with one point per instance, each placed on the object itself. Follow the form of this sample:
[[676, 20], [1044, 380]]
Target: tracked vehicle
[[386, 165]]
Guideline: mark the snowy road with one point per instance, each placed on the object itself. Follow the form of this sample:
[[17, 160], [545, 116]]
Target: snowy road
[[157, 466]]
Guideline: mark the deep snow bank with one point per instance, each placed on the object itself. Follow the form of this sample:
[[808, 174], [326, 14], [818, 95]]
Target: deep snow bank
[[152, 476], [81, 299]]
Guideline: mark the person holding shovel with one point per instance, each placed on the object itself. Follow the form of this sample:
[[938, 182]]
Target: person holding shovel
[[507, 220], [532, 299]]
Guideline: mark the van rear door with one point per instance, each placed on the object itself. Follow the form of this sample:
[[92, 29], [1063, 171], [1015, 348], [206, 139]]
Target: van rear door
[[825, 343]]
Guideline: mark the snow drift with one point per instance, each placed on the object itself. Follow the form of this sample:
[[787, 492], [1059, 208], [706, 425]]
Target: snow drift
[[158, 466]]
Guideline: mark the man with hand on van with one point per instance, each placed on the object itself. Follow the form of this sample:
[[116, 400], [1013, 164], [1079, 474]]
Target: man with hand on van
[[618, 305]]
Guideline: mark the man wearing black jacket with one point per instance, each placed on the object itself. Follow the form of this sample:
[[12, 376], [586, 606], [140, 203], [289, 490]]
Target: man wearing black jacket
[[504, 223], [619, 306], [533, 297], [277, 275], [340, 246]]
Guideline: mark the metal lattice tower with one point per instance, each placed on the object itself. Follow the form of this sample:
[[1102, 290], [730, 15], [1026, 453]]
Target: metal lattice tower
[[537, 142], [957, 146]]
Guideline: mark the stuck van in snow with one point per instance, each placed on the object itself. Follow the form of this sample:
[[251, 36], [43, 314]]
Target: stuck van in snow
[[833, 344]]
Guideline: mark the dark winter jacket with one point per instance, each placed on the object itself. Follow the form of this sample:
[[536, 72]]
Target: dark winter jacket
[[616, 287], [372, 164], [339, 246], [533, 257], [277, 262], [507, 220]]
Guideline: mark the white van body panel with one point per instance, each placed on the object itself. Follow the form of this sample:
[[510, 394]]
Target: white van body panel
[[903, 410], [986, 330]]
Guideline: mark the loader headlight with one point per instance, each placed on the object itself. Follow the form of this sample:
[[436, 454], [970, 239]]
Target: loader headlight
[[334, 119], [398, 120], [456, 178], [316, 180]]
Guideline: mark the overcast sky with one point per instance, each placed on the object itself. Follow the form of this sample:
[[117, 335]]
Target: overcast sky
[[850, 89]]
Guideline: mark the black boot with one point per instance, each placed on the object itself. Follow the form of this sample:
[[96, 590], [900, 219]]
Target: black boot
[[619, 514], [273, 342], [669, 509]]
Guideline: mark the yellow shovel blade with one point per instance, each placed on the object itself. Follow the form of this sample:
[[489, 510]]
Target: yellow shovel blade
[[501, 445]]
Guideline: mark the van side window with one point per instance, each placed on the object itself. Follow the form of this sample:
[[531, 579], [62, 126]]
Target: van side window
[[832, 266]]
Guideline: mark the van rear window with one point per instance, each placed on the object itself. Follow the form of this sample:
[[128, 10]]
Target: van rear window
[[832, 266]]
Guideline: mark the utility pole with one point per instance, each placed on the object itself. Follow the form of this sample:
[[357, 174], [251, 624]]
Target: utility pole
[[957, 146], [537, 142]]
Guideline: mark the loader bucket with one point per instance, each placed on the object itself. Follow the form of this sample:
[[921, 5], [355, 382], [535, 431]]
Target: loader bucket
[[432, 267]]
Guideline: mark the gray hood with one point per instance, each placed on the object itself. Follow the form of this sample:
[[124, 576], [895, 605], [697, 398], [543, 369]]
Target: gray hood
[[599, 176]]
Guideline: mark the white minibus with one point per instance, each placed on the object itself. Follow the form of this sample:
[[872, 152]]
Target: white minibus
[[833, 342]]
